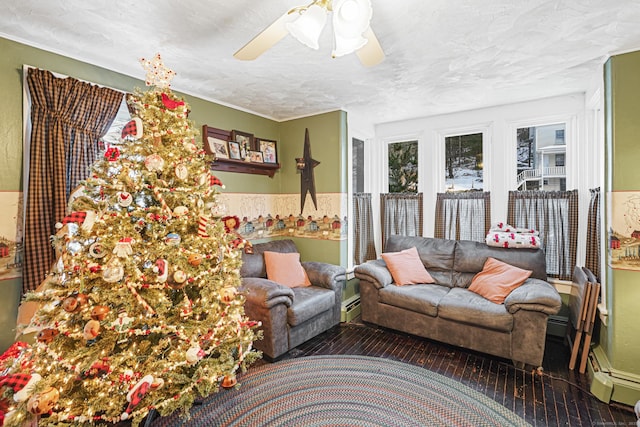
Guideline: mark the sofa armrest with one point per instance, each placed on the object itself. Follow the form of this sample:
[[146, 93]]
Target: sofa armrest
[[265, 293], [376, 272], [328, 276], [534, 295]]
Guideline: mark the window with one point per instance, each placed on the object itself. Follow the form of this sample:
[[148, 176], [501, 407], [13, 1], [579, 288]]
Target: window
[[541, 157], [463, 163], [403, 167], [357, 168]]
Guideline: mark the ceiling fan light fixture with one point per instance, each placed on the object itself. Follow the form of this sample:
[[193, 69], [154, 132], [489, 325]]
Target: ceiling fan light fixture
[[344, 46], [307, 28], [351, 19]]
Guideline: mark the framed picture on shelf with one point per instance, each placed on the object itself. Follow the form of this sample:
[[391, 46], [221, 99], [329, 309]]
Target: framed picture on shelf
[[218, 147], [234, 150], [256, 156], [268, 149], [245, 140]]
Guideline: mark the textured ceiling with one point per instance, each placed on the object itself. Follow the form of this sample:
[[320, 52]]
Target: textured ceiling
[[441, 56]]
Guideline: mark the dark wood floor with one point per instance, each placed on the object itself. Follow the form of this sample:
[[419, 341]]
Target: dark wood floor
[[557, 397]]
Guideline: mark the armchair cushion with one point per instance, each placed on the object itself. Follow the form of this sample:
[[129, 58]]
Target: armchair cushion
[[310, 301], [285, 268]]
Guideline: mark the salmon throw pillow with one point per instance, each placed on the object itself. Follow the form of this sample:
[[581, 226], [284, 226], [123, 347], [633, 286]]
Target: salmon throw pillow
[[406, 267], [285, 268], [497, 279]]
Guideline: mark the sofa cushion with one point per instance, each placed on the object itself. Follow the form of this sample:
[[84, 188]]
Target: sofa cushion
[[437, 255], [418, 298], [285, 268], [253, 263], [471, 256], [462, 305], [497, 279], [406, 267], [309, 302]]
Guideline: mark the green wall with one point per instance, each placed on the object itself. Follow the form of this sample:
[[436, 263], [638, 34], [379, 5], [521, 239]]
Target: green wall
[[327, 135], [618, 340], [328, 138]]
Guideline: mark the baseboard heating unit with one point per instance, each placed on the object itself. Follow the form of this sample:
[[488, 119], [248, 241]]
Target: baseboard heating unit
[[350, 308]]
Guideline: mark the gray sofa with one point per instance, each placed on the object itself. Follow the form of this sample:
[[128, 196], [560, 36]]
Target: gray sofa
[[290, 316], [448, 312]]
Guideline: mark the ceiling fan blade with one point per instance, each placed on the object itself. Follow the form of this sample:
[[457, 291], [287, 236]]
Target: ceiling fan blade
[[371, 53], [267, 38]]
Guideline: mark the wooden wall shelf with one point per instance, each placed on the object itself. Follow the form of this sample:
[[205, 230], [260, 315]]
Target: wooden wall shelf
[[232, 165]]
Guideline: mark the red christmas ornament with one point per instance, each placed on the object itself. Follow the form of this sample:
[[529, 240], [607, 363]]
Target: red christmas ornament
[[170, 103], [112, 154]]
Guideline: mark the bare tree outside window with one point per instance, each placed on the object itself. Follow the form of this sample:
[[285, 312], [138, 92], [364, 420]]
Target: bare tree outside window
[[463, 163]]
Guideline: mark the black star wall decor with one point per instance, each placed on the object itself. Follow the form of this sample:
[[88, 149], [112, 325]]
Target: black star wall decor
[[305, 167]]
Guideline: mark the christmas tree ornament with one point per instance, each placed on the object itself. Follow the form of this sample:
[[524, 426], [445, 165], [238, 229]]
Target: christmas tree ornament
[[182, 172], [228, 294], [91, 330], [194, 354], [124, 199], [157, 74], [229, 381], [22, 384], [162, 270], [179, 211], [114, 271], [173, 239], [203, 222], [99, 368], [70, 304], [124, 248], [133, 129], [43, 402], [97, 251], [179, 277], [154, 163], [112, 154], [194, 259], [170, 103], [47, 335], [99, 312], [136, 394]]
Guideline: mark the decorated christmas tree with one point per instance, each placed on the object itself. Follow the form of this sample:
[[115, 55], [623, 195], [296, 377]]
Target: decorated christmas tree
[[141, 311]]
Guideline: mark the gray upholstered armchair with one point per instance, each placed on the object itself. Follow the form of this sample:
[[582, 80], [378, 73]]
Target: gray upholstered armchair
[[290, 316]]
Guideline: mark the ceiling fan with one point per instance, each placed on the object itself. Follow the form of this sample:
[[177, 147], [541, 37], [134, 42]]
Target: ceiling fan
[[350, 20]]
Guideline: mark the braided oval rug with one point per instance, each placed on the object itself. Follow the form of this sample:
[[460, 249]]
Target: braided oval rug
[[345, 391]]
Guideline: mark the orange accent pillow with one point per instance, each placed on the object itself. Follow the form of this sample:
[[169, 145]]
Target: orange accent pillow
[[406, 267], [497, 279], [285, 268]]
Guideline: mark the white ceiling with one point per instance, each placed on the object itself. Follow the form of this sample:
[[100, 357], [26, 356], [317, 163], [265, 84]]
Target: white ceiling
[[441, 55]]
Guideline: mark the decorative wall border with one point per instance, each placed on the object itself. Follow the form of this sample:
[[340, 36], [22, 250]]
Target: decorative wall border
[[272, 215]]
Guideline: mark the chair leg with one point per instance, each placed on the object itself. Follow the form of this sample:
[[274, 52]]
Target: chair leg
[[574, 350]]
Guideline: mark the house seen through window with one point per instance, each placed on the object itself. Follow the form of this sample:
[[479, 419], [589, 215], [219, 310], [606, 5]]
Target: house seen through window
[[541, 158]]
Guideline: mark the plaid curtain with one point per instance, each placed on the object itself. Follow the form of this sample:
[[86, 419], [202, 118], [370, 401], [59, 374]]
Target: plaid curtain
[[463, 216], [365, 248], [68, 117], [401, 214], [555, 215], [592, 261]]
